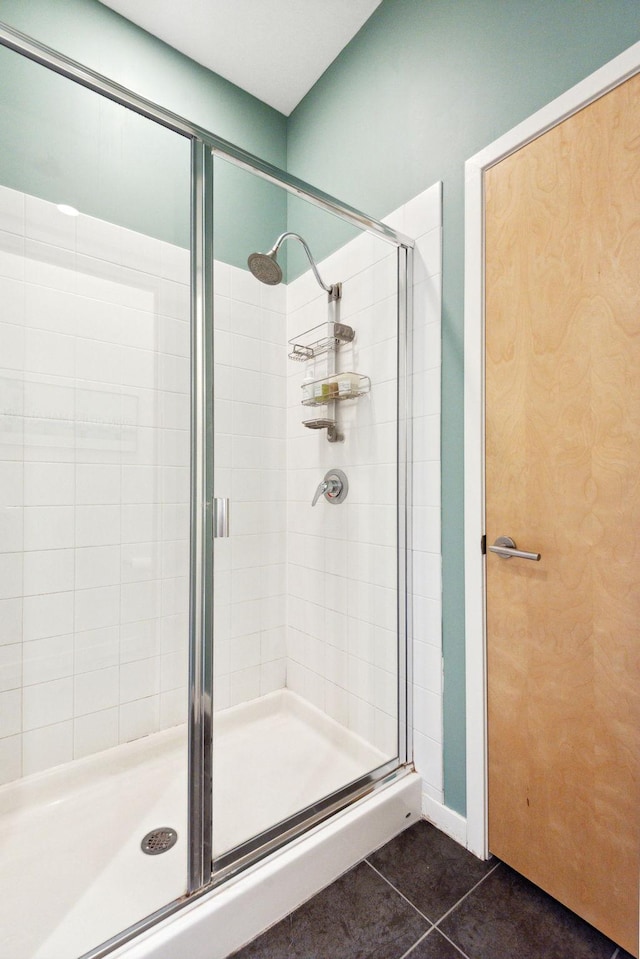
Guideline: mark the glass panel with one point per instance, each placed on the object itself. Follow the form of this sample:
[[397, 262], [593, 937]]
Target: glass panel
[[94, 480], [306, 629]]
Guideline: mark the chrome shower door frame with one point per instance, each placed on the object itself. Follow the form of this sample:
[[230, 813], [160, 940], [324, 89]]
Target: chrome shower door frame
[[404, 501], [200, 773], [205, 145], [263, 844]]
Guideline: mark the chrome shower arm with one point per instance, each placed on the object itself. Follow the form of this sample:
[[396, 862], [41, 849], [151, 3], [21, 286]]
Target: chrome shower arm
[[331, 290]]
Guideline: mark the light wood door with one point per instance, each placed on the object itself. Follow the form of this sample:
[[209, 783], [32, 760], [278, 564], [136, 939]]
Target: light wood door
[[563, 478]]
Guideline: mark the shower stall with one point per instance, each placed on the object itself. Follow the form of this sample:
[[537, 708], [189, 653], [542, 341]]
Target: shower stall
[[204, 473]]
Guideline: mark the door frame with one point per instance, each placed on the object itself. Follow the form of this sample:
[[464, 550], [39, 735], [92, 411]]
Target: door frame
[[624, 66]]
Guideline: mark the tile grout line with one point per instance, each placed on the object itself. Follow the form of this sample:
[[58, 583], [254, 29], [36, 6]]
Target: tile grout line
[[436, 923], [435, 926], [402, 896], [407, 954], [454, 944], [462, 898]]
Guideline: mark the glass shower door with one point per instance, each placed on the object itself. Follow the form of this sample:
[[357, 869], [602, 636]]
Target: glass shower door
[[107, 502], [94, 482], [308, 625]]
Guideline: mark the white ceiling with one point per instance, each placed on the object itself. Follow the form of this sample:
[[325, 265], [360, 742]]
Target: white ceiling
[[274, 49]]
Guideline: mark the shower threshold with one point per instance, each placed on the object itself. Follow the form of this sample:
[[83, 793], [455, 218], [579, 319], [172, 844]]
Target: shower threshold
[[73, 870]]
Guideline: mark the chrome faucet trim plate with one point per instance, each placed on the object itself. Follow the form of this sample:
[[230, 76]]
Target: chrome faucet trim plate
[[334, 487]]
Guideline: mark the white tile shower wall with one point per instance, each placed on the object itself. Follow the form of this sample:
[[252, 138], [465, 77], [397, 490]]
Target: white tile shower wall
[[250, 468], [341, 640], [341, 636], [94, 484], [94, 487]]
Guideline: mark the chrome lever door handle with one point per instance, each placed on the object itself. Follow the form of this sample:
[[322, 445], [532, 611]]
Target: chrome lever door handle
[[505, 547]]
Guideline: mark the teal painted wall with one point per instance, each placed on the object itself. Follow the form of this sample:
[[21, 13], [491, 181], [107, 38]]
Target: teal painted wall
[[423, 86], [57, 144]]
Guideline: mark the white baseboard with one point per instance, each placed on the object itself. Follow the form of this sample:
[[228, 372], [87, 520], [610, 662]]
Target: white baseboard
[[447, 820]]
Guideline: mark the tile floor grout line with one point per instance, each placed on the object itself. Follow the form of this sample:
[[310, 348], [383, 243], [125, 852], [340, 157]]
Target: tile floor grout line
[[406, 954], [402, 896], [454, 944], [462, 898]]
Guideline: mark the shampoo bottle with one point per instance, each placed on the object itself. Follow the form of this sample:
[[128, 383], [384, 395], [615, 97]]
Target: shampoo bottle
[[307, 388]]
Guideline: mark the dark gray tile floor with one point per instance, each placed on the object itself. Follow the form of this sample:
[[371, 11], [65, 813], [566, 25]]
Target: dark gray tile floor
[[422, 896]]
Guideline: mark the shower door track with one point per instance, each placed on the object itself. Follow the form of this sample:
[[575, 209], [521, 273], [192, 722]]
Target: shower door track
[[202, 878], [272, 839]]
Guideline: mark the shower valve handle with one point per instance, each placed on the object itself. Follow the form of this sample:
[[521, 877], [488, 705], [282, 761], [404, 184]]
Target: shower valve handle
[[322, 488], [326, 487], [334, 487]]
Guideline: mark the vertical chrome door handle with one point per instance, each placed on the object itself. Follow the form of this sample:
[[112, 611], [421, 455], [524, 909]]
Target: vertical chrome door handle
[[220, 517], [505, 547]]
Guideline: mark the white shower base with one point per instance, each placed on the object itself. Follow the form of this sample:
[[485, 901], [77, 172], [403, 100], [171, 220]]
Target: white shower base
[[72, 870]]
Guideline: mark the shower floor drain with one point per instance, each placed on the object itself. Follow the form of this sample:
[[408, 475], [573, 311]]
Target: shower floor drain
[[159, 840]]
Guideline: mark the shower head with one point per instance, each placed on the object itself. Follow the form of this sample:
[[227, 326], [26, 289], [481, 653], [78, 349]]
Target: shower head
[[266, 268]]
